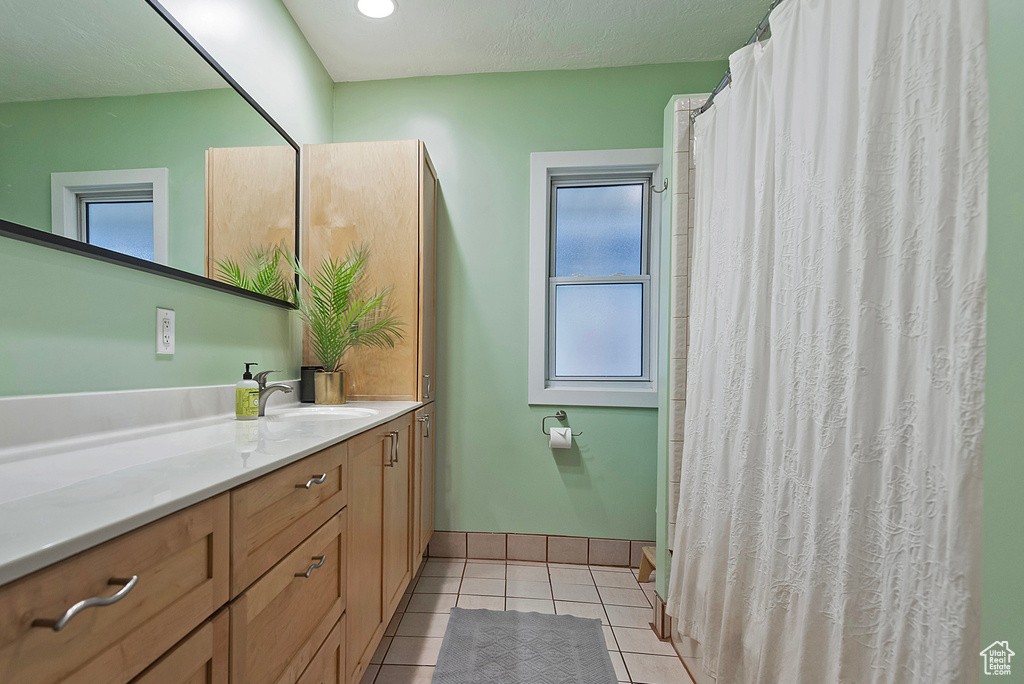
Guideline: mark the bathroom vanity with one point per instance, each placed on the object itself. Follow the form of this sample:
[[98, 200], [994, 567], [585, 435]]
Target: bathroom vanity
[[278, 564]]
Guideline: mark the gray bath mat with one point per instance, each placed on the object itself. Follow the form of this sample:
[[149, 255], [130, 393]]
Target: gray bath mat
[[488, 646]]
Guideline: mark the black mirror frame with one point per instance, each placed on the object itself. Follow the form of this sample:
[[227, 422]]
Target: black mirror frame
[[41, 237]]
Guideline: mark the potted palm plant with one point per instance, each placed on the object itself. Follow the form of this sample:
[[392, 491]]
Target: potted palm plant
[[259, 270], [340, 314]]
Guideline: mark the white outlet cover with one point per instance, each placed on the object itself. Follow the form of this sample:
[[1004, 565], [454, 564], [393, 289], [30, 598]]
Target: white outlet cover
[[164, 331]]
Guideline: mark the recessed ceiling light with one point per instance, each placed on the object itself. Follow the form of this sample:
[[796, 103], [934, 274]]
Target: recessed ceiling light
[[376, 9]]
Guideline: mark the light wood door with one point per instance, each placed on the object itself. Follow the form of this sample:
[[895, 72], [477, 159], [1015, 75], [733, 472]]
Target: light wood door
[[424, 486], [280, 622], [250, 201], [181, 565], [428, 266], [271, 515], [328, 665], [366, 623], [202, 658], [398, 522], [369, 193]]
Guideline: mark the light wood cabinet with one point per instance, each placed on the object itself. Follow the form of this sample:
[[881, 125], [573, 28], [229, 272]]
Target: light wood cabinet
[[398, 522], [250, 201], [328, 665], [423, 487], [271, 515], [202, 658], [384, 195], [181, 563], [279, 623]]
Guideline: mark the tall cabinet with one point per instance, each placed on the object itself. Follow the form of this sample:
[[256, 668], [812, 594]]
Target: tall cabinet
[[382, 195]]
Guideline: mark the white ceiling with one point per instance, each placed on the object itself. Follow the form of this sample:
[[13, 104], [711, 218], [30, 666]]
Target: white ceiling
[[55, 49], [432, 37]]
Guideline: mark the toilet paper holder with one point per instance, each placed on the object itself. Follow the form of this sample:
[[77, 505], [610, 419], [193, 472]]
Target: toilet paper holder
[[561, 416]]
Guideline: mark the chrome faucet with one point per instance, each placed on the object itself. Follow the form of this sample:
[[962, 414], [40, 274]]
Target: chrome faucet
[[266, 390]]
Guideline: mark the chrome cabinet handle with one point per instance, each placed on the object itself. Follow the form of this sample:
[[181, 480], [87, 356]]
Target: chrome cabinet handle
[[394, 445], [320, 561], [391, 450], [430, 384], [126, 583], [312, 481], [426, 425]]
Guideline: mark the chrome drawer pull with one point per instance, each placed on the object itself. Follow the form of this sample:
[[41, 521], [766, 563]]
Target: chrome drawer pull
[[392, 435], [127, 584], [426, 425], [312, 481], [312, 567], [394, 445]]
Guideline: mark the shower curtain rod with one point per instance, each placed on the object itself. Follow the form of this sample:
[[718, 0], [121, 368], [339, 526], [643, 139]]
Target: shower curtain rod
[[762, 28]]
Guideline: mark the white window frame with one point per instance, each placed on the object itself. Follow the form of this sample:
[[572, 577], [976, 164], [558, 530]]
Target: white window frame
[[69, 190], [600, 164]]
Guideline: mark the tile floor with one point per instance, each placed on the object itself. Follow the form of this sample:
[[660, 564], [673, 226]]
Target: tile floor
[[408, 651]]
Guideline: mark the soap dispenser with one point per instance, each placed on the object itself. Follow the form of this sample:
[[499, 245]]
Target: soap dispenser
[[247, 396]]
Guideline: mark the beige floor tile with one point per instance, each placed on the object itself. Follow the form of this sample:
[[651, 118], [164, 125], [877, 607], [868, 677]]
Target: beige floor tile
[[655, 669], [431, 603], [438, 585], [485, 570], [443, 568], [481, 602], [620, 667], [533, 547], [535, 564], [447, 545], [610, 568], [609, 552], [487, 587], [581, 593], [567, 549], [382, 648], [564, 575], [623, 597], [525, 605], [642, 640], [627, 616], [594, 611], [423, 624], [527, 573], [393, 625], [485, 545], [609, 638], [371, 672], [413, 651], [405, 674], [622, 580], [527, 589]]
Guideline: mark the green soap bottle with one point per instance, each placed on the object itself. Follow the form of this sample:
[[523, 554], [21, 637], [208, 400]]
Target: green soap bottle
[[247, 396]]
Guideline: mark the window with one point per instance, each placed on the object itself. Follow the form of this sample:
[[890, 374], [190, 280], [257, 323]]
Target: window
[[593, 240], [124, 211]]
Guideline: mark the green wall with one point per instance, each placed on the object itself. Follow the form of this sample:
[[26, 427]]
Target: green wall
[[1003, 549], [495, 471], [169, 130]]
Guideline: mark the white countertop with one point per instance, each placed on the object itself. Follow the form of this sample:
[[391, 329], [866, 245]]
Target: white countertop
[[58, 501]]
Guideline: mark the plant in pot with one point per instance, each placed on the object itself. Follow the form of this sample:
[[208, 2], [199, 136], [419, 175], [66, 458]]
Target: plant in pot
[[340, 314], [259, 270]]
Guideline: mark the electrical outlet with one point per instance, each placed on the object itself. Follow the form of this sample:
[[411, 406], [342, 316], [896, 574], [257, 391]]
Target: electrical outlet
[[164, 331]]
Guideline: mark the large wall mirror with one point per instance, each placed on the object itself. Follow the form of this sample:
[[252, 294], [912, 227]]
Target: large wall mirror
[[123, 140]]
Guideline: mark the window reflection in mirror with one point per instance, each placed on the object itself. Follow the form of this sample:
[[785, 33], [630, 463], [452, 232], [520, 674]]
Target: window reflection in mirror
[[120, 135]]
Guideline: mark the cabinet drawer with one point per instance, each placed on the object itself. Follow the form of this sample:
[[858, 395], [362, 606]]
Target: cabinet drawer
[[181, 565], [271, 515], [328, 666], [202, 658], [278, 624]]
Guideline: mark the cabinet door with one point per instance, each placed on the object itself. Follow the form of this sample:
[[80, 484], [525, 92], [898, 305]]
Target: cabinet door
[[398, 538], [427, 249], [366, 458], [201, 658], [424, 428], [328, 665]]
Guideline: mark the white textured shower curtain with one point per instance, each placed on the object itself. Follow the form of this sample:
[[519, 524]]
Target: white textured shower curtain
[[829, 523]]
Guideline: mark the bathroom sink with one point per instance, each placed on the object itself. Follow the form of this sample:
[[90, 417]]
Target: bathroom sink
[[324, 413]]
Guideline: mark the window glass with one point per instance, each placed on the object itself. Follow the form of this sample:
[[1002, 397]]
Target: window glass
[[598, 230], [125, 227], [599, 330]]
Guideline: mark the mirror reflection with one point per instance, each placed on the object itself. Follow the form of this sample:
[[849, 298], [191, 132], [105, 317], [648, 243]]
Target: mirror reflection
[[116, 133]]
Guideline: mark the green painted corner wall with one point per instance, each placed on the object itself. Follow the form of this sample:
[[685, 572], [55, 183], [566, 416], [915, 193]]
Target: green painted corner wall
[[1003, 545], [167, 130], [495, 471]]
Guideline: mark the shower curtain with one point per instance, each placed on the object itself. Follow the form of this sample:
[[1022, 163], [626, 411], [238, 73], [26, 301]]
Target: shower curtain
[[829, 522]]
